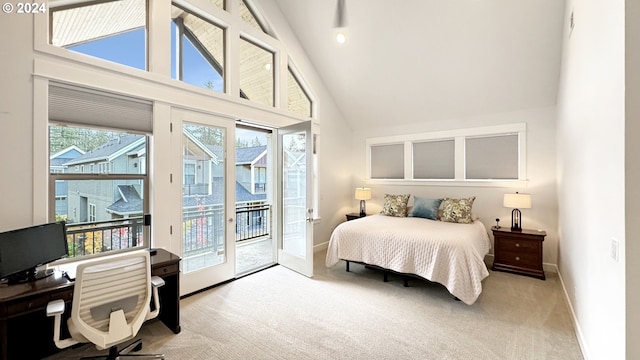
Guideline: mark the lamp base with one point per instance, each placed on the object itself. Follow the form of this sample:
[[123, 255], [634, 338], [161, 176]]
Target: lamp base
[[515, 220], [363, 210]]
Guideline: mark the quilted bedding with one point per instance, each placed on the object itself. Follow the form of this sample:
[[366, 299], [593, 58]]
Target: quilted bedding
[[447, 253]]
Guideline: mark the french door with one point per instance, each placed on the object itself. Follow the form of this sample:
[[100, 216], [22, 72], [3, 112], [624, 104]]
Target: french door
[[204, 176], [296, 156]]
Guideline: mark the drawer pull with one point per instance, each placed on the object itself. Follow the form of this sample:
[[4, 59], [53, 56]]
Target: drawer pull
[[517, 258], [517, 244]]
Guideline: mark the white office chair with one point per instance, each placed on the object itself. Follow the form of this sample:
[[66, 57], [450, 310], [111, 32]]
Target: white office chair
[[111, 300]]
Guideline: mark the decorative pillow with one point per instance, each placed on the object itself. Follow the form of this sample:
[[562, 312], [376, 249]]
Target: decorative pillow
[[425, 208], [457, 210], [395, 205]]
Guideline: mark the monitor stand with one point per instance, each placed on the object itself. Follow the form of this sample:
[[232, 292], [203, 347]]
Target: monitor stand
[[29, 275]]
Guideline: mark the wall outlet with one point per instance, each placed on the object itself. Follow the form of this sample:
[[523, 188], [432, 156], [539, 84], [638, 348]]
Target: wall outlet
[[614, 249]]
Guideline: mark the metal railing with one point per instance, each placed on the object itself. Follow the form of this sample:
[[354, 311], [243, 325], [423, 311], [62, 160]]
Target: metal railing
[[102, 236], [203, 230]]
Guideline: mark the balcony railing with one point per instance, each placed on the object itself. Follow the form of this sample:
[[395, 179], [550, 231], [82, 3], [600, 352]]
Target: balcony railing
[[97, 237], [203, 231]]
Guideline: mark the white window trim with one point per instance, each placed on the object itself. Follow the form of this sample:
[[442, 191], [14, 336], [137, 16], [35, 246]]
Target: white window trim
[[459, 136]]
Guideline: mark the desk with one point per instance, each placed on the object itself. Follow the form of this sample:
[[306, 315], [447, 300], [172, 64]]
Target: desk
[[27, 333]]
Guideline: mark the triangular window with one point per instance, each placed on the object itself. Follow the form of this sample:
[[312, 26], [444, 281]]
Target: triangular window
[[298, 101], [114, 31], [198, 51]]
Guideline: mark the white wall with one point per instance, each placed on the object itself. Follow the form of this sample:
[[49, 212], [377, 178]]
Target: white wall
[[541, 173], [591, 173], [16, 114]]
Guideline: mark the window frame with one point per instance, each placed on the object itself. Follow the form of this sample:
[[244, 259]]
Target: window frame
[[459, 136]]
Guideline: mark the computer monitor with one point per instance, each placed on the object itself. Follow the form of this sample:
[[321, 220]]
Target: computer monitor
[[23, 250]]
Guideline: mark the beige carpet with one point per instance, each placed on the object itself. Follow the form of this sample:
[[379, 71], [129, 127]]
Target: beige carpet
[[279, 314]]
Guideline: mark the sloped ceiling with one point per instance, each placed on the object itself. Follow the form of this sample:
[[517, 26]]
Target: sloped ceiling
[[410, 61]]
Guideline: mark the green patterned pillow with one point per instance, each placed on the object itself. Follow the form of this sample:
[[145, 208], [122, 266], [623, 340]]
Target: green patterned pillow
[[395, 205], [457, 210]]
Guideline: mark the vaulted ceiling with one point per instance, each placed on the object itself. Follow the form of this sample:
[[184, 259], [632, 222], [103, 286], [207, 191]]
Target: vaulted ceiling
[[410, 61]]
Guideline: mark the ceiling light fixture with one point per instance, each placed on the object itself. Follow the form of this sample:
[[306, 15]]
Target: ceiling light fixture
[[340, 22]]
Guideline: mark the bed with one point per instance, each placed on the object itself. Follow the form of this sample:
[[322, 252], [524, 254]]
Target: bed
[[451, 254]]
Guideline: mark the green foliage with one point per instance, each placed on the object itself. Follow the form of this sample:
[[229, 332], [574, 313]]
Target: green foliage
[[61, 137]]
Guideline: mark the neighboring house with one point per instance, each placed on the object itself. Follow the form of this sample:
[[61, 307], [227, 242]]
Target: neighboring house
[[56, 164], [251, 168], [100, 200]]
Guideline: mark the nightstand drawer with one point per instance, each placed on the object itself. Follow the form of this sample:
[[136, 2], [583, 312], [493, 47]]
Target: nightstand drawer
[[518, 245], [518, 258]]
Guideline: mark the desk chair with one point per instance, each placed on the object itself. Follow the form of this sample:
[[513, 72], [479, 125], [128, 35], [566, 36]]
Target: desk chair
[[111, 300]]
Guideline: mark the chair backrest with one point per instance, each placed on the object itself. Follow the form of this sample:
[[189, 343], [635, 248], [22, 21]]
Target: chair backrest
[[111, 298]]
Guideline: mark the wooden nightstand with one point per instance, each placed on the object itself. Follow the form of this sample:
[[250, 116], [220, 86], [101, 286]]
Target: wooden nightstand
[[353, 216], [518, 252]]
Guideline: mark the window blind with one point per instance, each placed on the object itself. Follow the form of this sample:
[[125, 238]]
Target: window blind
[[82, 106]]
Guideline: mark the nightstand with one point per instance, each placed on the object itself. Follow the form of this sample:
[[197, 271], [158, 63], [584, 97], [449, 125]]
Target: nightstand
[[518, 252], [353, 216]]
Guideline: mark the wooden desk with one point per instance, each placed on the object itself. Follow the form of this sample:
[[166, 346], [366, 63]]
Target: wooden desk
[[27, 333]]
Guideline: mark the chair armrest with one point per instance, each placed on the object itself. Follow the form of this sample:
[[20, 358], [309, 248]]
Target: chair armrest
[[55, 307], [157, 281]]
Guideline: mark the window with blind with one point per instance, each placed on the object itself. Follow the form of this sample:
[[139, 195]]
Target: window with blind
[[488, 154], [98, 179]]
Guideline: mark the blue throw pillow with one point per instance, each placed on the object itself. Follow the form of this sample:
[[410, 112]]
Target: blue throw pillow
[[425, 208]]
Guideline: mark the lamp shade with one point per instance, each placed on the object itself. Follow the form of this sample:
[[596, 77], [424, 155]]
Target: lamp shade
[[517, 201], [363, 193]]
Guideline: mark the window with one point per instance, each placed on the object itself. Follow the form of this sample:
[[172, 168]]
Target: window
[[104, 208], [386, 161], [197, 50], [487, 155], [110, 30], [492, 157], [298, 100], [434, 159], [256, 73]]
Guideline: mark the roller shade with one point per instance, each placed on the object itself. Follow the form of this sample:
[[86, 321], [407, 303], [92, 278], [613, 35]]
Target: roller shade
[[82, 106]]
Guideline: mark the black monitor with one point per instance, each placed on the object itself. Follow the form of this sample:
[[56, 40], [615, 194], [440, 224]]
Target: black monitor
[[23, 250]]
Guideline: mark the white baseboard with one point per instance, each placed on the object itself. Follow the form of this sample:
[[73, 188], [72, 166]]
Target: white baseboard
[[320, 247], [576, 325]]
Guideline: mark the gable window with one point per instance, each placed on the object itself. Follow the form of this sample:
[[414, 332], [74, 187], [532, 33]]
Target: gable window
[[198, 50], [490, 154], [298, 99], [256, 73], [110, 30]]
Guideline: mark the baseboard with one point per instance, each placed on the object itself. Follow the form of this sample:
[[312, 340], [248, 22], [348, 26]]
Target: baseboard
[[320, 247], [576, 325]]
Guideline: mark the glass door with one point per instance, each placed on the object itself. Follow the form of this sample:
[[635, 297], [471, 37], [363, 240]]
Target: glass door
[[206, 178], [295, 157]]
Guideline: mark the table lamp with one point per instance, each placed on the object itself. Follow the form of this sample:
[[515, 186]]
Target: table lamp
[[363, 194], [516, 201]]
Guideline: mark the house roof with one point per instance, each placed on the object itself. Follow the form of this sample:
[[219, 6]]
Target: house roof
[[248, 155], [64, 155], [111, 150], [129, 201]]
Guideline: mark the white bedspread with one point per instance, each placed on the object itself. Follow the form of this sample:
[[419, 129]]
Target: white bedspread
[[447, 253]]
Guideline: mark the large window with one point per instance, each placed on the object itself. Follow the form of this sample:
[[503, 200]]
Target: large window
[[98, 176], [298, 100], [256, 73], [479, 154]]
